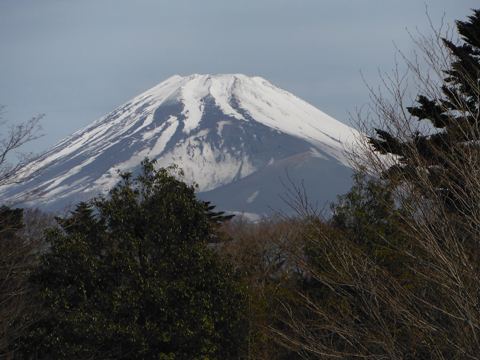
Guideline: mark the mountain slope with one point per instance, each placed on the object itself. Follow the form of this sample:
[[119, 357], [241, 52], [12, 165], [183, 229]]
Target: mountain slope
[[219, 129], [274, 188]]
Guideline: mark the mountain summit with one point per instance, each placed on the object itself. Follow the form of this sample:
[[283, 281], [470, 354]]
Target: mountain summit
[[222, 130]]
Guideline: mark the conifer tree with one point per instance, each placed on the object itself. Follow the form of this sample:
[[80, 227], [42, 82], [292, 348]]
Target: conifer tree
[[445, 154], [395, 274]]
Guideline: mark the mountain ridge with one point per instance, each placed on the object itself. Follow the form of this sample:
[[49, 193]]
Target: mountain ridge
[[219, 129]]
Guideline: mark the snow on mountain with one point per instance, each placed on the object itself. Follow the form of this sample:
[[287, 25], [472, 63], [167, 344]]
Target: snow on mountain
[[219, 129]]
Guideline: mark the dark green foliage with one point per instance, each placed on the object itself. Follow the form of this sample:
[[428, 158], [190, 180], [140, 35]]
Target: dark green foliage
[[366, 210], [216, 217], [132, 277], [13, 265], [355, 274], [17, 257], [446, 153], [365, 221]]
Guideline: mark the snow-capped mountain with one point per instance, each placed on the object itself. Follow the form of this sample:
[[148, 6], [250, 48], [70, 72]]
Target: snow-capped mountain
[[223, 131]]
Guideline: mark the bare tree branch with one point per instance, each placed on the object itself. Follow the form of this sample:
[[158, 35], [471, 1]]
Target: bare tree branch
[[24, 168]]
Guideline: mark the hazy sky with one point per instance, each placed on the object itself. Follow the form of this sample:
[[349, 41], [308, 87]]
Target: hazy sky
[[77, 60]]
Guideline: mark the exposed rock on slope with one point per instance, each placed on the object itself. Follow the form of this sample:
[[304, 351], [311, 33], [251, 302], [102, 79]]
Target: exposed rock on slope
[[233, 135]]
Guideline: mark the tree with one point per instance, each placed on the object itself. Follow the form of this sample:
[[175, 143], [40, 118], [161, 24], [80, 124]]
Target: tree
[[15, 257], [19, 244], [435, 173], [454, 114], [396, 273], [17, 248], [133, 277], [259, 253], [352, 274], [17, 136]]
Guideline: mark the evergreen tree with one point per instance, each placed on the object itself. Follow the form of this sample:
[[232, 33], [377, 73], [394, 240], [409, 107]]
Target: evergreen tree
[[17, 258], [439, 160], [133, 277], [395, 274], [14, 257]]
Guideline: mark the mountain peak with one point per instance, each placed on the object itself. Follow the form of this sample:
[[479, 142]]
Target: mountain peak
[[256, 97], [218, 128]]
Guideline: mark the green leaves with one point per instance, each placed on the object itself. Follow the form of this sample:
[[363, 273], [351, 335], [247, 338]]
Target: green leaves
[[132, 276]]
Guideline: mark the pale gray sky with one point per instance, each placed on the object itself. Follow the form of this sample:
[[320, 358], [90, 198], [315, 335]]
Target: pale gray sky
[[77, 60]]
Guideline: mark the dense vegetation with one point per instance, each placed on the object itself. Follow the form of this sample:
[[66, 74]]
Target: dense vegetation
[[132, 276], [152, 272]]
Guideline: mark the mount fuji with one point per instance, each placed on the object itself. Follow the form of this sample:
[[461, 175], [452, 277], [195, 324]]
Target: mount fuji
[[237, 137]]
